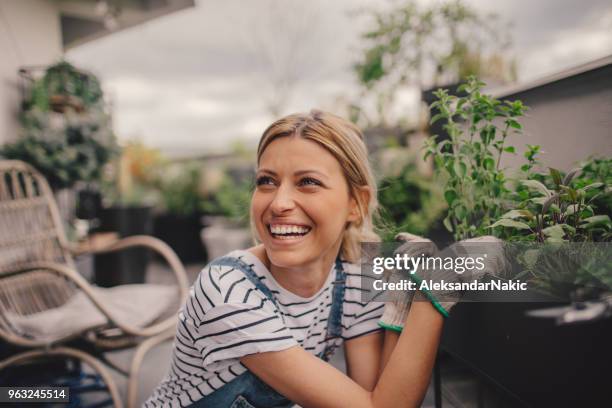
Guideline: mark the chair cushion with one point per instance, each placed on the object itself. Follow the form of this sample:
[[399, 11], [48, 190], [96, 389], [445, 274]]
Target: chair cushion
[[135, 304]]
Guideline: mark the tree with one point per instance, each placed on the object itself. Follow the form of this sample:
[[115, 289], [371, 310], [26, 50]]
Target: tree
[[426, 46]]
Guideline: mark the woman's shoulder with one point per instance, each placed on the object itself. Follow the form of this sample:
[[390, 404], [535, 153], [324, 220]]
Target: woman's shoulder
[[227, 279]]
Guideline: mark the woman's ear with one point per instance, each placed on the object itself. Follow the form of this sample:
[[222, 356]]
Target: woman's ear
[[355, 212]]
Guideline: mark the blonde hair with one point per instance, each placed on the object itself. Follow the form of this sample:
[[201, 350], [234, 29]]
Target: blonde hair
[[345, 142]]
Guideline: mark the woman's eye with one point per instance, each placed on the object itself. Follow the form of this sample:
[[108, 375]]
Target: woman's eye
[[309, 181], [264, 180]]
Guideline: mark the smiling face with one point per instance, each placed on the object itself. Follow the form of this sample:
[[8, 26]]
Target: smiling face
[[301, 204]]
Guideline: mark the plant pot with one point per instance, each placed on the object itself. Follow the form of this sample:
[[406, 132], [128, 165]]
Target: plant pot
[[221, 235], [62, 103], [531, 359], [129, 265], [182, 234]]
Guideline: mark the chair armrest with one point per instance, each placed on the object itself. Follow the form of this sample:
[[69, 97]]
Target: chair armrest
[[86, 288], [153, 243]]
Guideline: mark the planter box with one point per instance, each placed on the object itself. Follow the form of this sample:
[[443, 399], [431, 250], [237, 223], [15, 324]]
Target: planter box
[[182, 233], [221, 236], [129, 265], [530, 359]]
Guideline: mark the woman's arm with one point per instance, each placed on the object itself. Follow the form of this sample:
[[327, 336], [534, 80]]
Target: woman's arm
[[363, 359], [312, 383], [389, 342]]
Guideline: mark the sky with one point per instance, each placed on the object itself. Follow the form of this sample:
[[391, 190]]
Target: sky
[[194, 82]]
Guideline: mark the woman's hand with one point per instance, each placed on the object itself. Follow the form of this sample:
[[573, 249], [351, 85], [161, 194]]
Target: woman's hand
[[397, 308], [488, 250]]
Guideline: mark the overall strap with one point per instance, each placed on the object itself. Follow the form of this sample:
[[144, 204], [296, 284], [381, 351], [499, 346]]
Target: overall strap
[[248, 272], [334, 321]]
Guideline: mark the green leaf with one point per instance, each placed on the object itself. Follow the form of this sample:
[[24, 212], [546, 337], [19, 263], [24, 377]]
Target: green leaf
[[518, 214], [568, 228], [514, 124], [556, 175], [450, 196], [555, 232], [548, 203], [505, 222], [510, 149], [595, 220], [592, 186], [447, 224], [537, 186], [437, 117], [460, 169], [489, 163], [571, 209]]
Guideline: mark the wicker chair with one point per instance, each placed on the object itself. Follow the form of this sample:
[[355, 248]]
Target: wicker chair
[[38, 280]]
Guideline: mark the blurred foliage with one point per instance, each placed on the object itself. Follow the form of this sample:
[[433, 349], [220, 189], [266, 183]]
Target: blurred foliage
[[429, 44], [65, 149], [180, 192], [408, 202], [597, 170], [133, 177], [63, 83], [66, 133], [232, 199]]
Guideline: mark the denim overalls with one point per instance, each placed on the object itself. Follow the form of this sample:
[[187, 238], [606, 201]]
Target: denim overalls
[[248, 391]]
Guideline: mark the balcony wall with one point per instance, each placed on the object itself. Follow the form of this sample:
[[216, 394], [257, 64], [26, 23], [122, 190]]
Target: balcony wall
[[30, 34]]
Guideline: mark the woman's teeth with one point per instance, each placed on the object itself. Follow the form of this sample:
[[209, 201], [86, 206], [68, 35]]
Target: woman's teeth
[[288, 231]]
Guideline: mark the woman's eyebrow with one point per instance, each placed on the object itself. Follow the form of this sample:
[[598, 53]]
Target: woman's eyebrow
[[297, 173], [266, 171], [300, 172]]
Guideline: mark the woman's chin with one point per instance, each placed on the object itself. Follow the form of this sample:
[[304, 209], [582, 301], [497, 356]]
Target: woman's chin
[[285, 258]]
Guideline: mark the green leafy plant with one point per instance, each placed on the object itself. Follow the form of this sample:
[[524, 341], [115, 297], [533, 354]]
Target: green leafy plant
[[231, 200], [559, 208], [133, 178], [66, 132], [569, 212], [408, 202], [477, 125], [180, 193], [76, 148], [64, 86]]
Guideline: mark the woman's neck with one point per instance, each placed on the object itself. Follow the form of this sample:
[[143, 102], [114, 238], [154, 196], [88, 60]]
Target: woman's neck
[[304, 280]]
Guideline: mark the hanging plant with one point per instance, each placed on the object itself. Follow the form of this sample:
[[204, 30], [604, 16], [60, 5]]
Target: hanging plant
[[62, 88], [76, 150], [66, 132]]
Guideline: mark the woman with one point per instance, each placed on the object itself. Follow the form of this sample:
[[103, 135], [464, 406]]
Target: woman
[[260, 324]]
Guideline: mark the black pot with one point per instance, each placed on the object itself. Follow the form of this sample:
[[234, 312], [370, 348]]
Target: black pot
[[531, 360], [182, 233], [128, 265]]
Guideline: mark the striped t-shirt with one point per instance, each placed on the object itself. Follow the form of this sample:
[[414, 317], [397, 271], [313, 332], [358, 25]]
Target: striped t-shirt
[[225, 318]]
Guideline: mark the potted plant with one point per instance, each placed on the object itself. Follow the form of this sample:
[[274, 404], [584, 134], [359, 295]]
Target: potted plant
[[66, 132], [129, 198], [227, 215], [63, 88], [180, 223], [411, 202], [499, 340]]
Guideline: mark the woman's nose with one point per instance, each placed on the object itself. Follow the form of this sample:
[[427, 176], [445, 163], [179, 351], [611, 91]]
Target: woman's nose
[[283, 200]]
